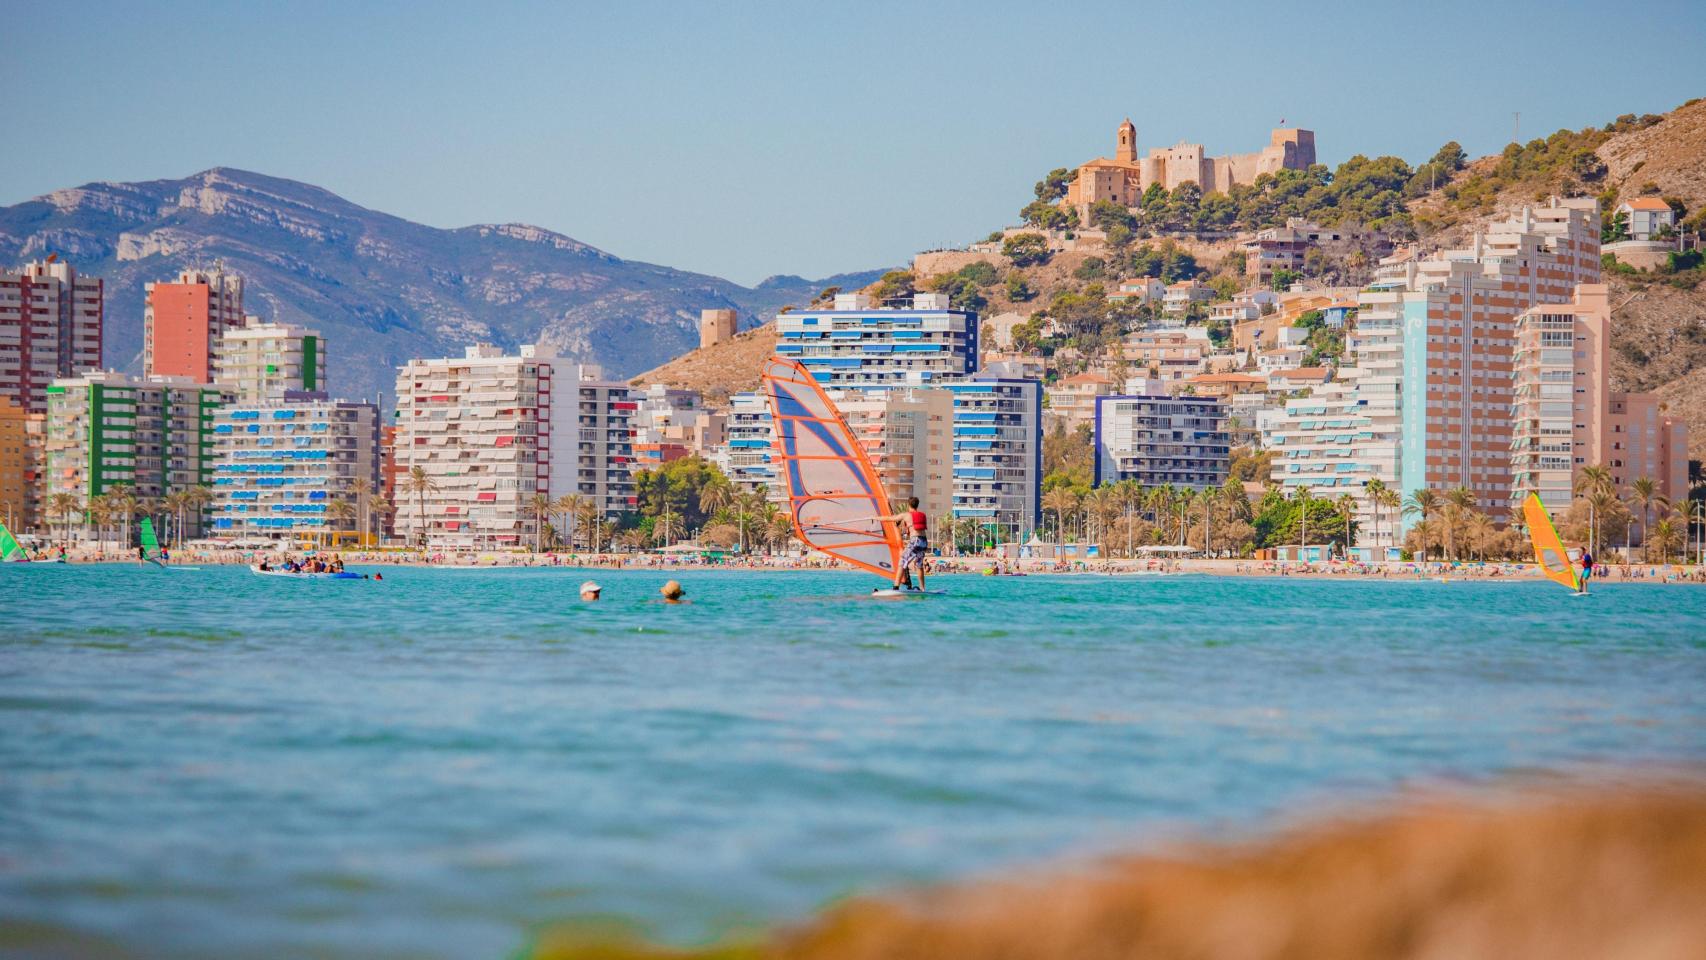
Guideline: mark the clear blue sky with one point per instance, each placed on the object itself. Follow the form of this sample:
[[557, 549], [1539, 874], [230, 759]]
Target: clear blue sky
[[746, 139]]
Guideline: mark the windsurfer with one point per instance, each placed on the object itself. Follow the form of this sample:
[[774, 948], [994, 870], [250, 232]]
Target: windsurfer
[[1587, 570], [917, 546]]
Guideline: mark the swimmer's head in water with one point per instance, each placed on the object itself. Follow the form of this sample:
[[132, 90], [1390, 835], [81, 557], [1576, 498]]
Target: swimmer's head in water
[[673, 590]]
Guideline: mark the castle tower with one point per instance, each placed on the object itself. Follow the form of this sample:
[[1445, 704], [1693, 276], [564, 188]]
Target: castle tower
[[715, 326], [1126, 147]]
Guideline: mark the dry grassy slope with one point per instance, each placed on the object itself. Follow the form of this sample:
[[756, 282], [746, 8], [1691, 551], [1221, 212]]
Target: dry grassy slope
[[1658, 342], [718, 371], [1671, 153]]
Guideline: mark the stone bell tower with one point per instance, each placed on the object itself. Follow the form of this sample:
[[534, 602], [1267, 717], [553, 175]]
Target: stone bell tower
[[1126, 147]]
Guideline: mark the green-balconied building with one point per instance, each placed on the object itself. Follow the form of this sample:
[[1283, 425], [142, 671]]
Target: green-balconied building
[[151, 435]]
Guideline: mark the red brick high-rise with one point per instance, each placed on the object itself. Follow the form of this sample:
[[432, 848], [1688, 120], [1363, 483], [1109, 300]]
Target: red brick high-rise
[[50, 326], [184, 320]]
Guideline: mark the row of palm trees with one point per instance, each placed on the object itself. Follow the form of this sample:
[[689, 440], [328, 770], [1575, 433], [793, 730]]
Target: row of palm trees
[[177, 515], [1663, 525], [118, 508], [1452, 521], [1126, 515]]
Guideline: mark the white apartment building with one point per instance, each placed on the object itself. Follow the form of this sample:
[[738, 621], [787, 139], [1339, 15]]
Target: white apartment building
[[1179, 298], [280, 465], [263, 361], [50, 327], [855, 345], [1161, 441], [745, 456], [491, 431], [998, 452]]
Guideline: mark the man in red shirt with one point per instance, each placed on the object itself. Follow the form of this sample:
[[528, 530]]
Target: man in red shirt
[[917, 548]]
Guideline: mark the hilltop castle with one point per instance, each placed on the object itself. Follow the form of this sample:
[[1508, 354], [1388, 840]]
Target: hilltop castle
[[1124, 178]]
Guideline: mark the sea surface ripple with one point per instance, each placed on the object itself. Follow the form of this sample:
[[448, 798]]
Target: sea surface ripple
[[215, 764]]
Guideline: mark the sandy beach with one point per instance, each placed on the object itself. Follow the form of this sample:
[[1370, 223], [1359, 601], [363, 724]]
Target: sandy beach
[[1234, 567]]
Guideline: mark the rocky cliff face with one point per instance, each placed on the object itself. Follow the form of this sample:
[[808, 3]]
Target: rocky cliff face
[[380, 288]]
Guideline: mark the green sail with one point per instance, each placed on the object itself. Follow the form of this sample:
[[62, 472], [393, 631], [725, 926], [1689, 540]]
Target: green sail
[[10, 549], [150, 545]]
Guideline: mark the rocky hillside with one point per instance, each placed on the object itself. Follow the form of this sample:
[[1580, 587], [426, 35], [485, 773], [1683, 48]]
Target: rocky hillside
[[720, 370], [382, 289]]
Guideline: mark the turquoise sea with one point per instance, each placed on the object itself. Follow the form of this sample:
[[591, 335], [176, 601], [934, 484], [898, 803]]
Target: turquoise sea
[[219, 765]]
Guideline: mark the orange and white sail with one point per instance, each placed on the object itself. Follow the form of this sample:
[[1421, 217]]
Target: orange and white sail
[[834, 494], [1549, 549]]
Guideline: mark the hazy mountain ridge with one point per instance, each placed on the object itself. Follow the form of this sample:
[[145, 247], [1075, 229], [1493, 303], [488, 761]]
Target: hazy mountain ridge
[[382, 289]]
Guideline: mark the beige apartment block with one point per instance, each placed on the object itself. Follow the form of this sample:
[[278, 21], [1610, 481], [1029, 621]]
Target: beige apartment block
[[1072, 401], [264, 361], [908, 434], [491, 431]]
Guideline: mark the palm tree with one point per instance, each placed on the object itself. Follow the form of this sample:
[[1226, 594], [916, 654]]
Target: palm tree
[[1391, 499], [122, 504], [1061, 500], [590, 517], [539, 505], [1347, 505], [172, 505], [1644, 493], [63, 505], [1375, 490], [716, 494], [1304, 499], [750, 506], [1459, 502], [340, 512], [379, 508], [945, 529], [779, 529], [1128, 494], [1104, 506], [1591, 482], [571, 506], [362, 488], [100, 512], [420, 483], [1425, 503], [1480, 530], [1666, 535], [197, 499], [969, 530]]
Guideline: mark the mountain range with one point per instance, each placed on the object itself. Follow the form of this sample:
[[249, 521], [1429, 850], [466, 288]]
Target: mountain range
[[381, 289]]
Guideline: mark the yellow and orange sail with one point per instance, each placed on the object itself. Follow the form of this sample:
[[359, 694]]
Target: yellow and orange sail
[[1549, 549]]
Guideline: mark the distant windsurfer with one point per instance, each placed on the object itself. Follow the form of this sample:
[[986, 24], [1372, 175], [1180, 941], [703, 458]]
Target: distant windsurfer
[[1587, 570], [917, 545]]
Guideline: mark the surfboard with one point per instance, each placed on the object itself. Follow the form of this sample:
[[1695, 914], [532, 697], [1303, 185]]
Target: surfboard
[[893, 594]]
